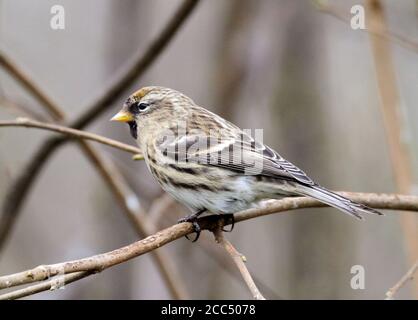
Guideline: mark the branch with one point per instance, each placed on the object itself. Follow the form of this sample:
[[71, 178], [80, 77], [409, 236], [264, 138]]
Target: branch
[[239, 261], [103, 261], [29, 85], [29, 123], [98, 262], [51, 285], [18, 191], [408, 276]]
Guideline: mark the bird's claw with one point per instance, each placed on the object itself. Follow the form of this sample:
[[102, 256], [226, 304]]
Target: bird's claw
[[196, 228], [230, 218]]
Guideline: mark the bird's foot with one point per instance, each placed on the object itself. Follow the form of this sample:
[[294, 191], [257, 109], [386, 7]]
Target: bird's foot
[[229, 218], [193, 220]]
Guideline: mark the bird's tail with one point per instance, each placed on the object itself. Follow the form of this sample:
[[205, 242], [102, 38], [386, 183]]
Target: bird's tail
[[335, 200]]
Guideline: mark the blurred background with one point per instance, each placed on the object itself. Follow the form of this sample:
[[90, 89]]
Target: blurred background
[[290, 67]]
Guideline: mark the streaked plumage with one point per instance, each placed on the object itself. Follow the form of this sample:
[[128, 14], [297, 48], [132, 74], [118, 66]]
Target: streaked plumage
[[229, 174]]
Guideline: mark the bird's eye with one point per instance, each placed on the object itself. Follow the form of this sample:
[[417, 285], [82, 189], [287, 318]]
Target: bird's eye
[[139, 107], [143, 106]]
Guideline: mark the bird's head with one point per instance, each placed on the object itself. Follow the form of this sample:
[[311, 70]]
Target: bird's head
[[152, 108]]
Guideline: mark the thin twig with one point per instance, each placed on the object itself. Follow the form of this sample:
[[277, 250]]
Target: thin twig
[[17, 193], [390, 295], [50, 285], [239, 261], [103, 261], [42, 98], [228, 266], [79, 134]]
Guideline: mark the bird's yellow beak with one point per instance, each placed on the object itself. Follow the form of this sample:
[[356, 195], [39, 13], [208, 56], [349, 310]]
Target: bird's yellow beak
[[123, 116]]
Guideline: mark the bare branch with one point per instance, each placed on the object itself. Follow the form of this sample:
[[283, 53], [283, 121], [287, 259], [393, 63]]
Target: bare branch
[[53, 284], [239, 261], [98, 262], [103, 261], [29, 123], [408, 276], [29, 85], [228, 266]]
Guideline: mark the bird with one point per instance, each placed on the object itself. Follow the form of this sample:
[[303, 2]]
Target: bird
[[209, 164]]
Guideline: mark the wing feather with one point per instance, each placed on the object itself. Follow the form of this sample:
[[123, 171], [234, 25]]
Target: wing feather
[[239, 153]]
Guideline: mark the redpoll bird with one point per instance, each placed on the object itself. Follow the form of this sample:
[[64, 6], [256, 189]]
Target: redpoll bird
[[208, 163]]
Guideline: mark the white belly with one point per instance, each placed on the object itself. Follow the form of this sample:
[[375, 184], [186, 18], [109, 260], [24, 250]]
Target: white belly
[[240, 196]]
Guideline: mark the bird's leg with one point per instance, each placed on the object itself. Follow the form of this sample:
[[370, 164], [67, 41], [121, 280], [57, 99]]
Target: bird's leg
[[193, 220], [230, 217]]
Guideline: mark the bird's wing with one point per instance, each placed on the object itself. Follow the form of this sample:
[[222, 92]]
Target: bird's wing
[[237, 152]]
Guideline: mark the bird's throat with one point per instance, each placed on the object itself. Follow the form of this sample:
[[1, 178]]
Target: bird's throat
[[133, 129]]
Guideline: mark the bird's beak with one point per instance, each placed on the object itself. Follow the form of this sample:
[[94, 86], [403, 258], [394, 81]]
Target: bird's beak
[[123, 116]]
